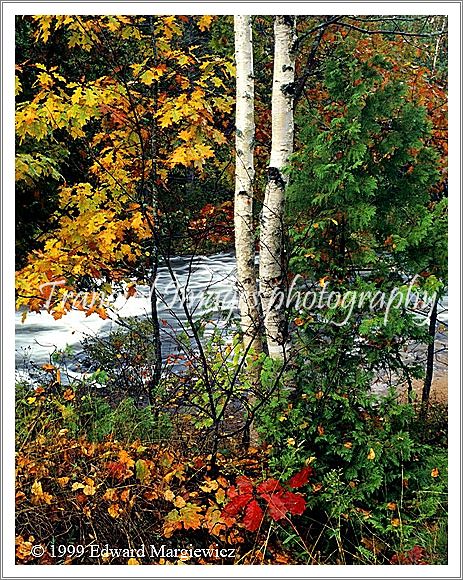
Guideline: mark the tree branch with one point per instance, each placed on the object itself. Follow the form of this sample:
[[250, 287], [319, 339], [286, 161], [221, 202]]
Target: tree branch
[[392, 32]]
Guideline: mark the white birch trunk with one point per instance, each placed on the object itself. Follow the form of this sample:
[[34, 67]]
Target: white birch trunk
[[271, 233], [244, 177]]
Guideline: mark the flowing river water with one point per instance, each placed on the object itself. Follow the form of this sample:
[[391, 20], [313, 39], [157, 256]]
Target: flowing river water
[[209, 282], [202, 279]]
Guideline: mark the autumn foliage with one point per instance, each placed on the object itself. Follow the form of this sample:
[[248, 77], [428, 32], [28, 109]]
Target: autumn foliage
[[107, 490], [104, 223], [124, 127]]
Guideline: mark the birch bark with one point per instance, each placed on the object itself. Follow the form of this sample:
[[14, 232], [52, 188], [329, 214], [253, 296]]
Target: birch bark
[[244, 177], [271, 226]]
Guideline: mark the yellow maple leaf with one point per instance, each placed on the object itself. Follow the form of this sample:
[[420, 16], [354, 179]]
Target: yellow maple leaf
[[133, 562], [90, 488], [45, 80], [137, 220], [37, 488], [220, 496], [179, 502], [205, 22], [187, 134], [114, 510], [29, 116], [219, 137], [209, 485], [110, 494], [153, 74], [204, 151], [38, 495], [147, 78], [166, 119], [371, 454], [189, 517], [180, 156], [77, 485], [215, 522]]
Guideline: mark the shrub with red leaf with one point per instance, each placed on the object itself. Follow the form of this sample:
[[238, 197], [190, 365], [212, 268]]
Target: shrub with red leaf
[[301, 478], [415, 556], [253, 516], [244, 484], [277, 501], [269, 486]]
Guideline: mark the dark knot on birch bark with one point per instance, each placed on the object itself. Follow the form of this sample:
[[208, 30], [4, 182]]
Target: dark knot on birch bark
[[274, 174]]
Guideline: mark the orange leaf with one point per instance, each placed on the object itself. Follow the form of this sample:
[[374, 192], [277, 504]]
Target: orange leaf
[[48, 368], [110, 494], [114, 510], [125, 458], [68, 395], [131, 290]]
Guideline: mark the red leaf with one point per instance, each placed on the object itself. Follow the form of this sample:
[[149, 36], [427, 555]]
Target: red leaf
[[280, 503], [244, 484], [294, 502], [301, 478], [276, 506], [269, 486], [236, 504], [116, 469], [253, 516], [232, 492]]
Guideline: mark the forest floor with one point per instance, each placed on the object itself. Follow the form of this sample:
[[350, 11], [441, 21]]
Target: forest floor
[[439, 386]]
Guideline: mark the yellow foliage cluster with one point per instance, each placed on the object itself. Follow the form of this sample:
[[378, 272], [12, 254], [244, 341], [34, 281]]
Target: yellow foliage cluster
[[102, 225]]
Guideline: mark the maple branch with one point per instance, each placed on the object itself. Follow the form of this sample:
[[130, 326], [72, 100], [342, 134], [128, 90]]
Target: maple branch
[[321, 26], [388, 19]]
